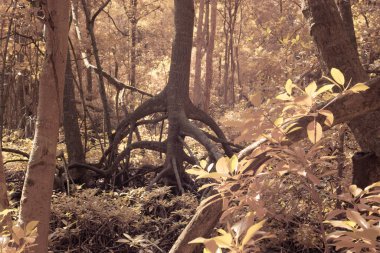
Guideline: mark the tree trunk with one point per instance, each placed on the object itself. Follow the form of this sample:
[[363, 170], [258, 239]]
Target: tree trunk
[[38, 185], [4, 203], [101, 85], [348, 21], [210, 55], [197, 92], [2, 77], [71, 129], [133, 21], [336, 50]]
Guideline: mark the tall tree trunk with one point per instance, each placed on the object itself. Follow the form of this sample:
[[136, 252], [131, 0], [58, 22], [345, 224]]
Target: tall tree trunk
[[210, 55], [336, 50], [4, 203], [101, 85], [348, 21], [197, 92], [70, 125], [133, 21], [226, 54], [3, 71], [38, 185], [89, 79]]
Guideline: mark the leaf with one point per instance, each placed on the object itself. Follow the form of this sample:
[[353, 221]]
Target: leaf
[[355, 191], [223, 241], [198, 240], [222, 165], [256, 99], [215, 175], [314, 131], [278, 122], [234, 162], [359, 87], [324, 88], [203, 164], [338, 76], [284, 97], [196, 171], [356, 217], [341, 224], [311, 88], [329, 117], [31, 226], [252, 231], [289, 87]]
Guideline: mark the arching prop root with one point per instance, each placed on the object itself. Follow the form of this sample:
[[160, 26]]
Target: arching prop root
[[114, 162]]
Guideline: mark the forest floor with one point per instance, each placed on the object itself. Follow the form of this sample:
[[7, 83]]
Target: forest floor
[[133, 219]]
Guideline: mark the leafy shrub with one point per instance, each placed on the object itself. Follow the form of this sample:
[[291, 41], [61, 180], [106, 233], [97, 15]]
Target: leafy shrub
[[281, 181], [16, 239]]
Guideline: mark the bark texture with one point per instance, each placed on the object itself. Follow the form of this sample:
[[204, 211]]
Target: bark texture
[[71, 129], [38, 185], [4, 203], [197, 92], [210, 55], [333, 38]]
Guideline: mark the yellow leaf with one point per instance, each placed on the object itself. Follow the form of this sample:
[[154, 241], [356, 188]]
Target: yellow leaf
[[311, 88], [222, 165], [289, 86], [314, 131], [215, 175], [284, 97], [197, 171], [198, 240], [31, 226], [203, 164], [359, 87], [234, 162], [255, 99], [223, 241], [278, 122], [338, 76], [325, 88], [252, 231], [329, 117]]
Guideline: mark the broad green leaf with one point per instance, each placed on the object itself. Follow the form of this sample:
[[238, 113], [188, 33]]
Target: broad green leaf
[[359, 87], [338, 76], [311, 88], [329, 117], [252, 231], [314, 131]]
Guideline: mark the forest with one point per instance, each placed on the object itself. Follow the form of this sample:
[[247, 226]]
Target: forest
[[186, 126]]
